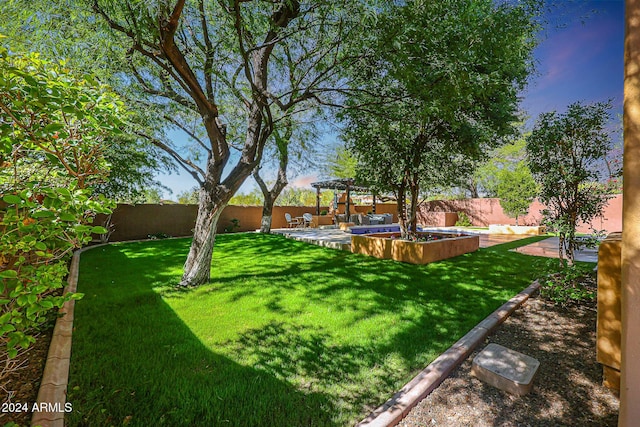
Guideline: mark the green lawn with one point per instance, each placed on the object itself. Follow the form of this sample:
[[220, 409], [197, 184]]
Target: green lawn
[[286, 334]]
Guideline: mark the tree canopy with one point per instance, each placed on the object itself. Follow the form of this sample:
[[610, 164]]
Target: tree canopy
[[565, 154], [438, 89]]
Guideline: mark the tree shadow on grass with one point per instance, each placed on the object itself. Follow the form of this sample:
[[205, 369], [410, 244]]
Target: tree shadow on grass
[[134, 362], [133, 356]]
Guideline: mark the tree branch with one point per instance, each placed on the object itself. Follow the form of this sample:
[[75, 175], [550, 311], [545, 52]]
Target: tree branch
[[197, 173]]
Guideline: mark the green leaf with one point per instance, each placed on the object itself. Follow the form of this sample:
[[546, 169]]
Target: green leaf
[[8, 274], [5, 318], [53, 127], [66, 216], [99, 230], [12, 199], [7, 328], [63, 192], [46, 304], [42, 214]]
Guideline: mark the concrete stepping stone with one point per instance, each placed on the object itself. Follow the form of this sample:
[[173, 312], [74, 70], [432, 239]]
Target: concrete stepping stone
[[505, 369]]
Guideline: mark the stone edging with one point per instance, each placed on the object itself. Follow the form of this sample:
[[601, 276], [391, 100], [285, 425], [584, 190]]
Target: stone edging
[[53, 388], [399, 405]]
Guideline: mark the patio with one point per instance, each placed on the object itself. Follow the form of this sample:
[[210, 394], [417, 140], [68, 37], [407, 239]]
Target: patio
[[337, 239]]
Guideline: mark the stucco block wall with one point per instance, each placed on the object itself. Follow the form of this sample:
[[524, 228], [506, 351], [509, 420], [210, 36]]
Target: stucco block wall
[[138, 221], [609, 323], [485, 211], [380, 245], [133, 222]]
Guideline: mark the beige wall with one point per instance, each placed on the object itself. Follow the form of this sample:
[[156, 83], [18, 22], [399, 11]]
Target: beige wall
[[630, 306], [133, 222], [608, 344]]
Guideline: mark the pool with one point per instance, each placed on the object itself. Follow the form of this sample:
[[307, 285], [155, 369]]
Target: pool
[[380, 228]]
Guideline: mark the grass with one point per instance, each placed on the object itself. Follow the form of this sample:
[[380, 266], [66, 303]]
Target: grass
[[286, 333]]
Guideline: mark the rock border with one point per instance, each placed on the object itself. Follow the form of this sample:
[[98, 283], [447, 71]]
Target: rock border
[[399, 405]]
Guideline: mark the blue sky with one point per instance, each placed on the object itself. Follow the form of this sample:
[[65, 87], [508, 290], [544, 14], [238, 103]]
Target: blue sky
[[579, 58]]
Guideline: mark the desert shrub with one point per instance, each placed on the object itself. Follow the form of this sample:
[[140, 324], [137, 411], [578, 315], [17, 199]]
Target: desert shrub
[[572, 285], [463, 220], [54, 129]]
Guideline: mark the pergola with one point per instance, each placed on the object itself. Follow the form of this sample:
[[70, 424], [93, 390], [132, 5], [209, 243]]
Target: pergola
[[345, 184]]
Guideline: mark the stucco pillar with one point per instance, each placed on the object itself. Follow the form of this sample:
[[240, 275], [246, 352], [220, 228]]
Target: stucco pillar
[[630, 366]]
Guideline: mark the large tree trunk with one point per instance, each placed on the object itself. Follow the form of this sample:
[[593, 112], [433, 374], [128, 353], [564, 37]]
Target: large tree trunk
[[270, 198], [197, 267], [413, 213]]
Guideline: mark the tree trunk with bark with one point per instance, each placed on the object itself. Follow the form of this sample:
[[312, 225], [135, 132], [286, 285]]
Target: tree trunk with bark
[[197, 267], [271, 195], [401, 197]]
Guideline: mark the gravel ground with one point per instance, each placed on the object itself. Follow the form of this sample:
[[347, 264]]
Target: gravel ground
[[567, 390]]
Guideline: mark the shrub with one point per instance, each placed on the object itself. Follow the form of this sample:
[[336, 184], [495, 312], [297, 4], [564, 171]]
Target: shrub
[[54, 129], [463, 220], [566, 153], [235, 223], [573, 285]]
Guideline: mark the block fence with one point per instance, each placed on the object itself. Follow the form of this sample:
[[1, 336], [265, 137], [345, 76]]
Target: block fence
[[132, 222], [139, 221]]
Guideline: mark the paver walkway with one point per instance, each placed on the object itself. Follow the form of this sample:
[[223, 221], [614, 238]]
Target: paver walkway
[[549, 248]]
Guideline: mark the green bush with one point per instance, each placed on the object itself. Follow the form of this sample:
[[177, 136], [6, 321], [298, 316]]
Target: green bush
[[54, 128], [573, 285], [235, 223], [463, 220]]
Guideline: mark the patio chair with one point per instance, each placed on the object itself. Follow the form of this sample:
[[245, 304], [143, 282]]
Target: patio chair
[[306, 219], [292, 222]]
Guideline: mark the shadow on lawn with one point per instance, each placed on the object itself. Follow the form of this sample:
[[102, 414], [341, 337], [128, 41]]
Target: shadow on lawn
[[136, 363], [134, 357]]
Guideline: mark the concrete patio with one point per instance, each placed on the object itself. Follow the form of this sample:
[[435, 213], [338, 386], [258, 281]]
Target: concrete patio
[[337, 239]]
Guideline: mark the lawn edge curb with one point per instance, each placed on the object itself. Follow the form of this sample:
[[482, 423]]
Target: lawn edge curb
[[55, 377], [398, 406]]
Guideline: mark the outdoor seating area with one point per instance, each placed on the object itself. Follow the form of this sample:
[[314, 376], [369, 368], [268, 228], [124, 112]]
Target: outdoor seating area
[[371, 219], [303, 221]]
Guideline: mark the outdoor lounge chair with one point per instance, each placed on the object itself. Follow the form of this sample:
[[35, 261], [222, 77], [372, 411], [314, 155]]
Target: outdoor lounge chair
[[341, 218], [306, 219], [292, 222]]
